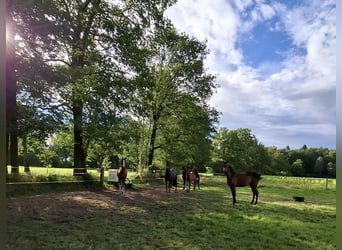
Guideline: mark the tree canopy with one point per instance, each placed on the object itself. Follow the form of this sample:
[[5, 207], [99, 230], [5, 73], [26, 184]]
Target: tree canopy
[[119, 73]]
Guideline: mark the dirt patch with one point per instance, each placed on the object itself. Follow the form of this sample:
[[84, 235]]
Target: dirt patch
[[78, 203]]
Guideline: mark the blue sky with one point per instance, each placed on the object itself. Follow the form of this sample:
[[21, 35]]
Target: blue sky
[[275, 63]]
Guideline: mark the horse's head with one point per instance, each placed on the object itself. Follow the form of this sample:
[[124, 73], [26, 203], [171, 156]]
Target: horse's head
[[224, 167], [123, 162], [227, 169]]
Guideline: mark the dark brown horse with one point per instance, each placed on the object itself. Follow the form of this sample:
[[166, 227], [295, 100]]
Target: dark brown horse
[[170, 177], [241, 180], [122, 175]]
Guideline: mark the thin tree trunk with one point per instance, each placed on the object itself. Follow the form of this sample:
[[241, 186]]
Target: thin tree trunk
[[152, 148], [79, 161], [26, 165], [11, 103]]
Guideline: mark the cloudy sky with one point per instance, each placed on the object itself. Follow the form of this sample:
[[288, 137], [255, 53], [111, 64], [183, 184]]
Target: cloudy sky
[[275, 64]]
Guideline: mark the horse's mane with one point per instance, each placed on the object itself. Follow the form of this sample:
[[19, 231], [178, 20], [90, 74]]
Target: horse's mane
[[231, 169]]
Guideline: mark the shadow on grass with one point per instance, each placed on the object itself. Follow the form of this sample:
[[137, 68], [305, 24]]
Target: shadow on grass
[[147, 217]]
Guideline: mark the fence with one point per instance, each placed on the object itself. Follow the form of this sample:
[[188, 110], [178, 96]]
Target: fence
[[40, 179]]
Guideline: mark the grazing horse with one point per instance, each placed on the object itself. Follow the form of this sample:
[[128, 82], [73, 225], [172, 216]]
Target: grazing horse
[[122, 175], [192, 177], [170, 178], [241, 180]]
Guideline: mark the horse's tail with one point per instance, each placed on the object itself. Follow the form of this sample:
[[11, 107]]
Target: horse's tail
[[255, 175]]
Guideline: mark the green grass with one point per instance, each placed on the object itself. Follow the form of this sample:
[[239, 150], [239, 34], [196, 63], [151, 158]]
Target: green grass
[[149, 218]]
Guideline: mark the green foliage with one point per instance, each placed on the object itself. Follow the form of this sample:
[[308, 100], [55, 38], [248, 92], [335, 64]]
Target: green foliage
[[279, 163], [317, 162], [240, 148]]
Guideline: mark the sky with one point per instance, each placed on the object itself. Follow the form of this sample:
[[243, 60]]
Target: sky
[[275, 63]]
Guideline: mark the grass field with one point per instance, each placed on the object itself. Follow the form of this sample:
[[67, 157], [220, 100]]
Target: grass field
[[146, 217]]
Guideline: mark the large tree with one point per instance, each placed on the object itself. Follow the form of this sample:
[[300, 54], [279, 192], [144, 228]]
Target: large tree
[[69, 37], [172, 78], [104, 61], [27, 32]]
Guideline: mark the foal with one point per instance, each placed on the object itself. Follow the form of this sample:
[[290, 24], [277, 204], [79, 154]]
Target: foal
[[192, 176], [241, 180], [122, 175]]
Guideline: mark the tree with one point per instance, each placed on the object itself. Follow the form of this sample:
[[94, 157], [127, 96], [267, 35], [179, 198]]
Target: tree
[[240, 148], [186, 138], [74, 43], [319, 166], [168, 68], [28, 41], [102, 62], [297, 168], [279, 164], [11, 91]]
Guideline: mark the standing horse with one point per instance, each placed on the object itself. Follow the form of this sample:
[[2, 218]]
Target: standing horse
[[192, 176], [170, 178], [241, 180], [122, 175]]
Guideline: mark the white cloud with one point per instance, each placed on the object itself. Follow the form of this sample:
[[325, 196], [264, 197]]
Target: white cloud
[[290, 99]]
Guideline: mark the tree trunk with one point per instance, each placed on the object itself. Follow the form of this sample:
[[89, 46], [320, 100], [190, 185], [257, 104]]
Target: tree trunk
[[11, 103], [153, 138], [77, 109], [151, 149], [26, 165], [79, 159]]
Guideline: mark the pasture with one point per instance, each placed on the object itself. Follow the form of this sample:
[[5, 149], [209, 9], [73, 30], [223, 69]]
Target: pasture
[[147, 217]]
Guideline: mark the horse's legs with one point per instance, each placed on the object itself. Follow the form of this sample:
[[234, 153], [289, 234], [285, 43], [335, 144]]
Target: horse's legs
[[233, 190], [255, 195], [122, 186]]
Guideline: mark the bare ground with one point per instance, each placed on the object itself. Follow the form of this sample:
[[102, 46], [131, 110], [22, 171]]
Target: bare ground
[[77, 203]]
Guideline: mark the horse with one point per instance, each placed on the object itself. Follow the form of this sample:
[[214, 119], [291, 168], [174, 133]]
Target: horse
[[241, 180], [170, 178], [122, 175], [192, 176]]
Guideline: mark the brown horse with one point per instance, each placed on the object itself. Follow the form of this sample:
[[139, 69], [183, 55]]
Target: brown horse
[[192, 177], [122, 175], [189, 177], [241, 180]]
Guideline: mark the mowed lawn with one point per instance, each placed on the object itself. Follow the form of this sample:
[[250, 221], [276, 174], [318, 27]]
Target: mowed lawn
[[146, 217]]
